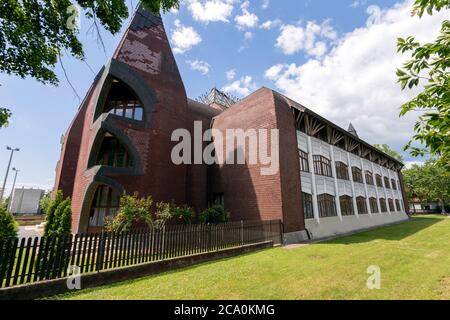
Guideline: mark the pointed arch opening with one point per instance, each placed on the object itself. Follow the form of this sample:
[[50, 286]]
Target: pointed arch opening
[[123, 102]]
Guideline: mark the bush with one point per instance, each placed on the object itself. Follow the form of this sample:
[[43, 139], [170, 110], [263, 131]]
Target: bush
[[214, 214], [8, 226], [131, 210], [50, 206], [184, 213], [65, 224]]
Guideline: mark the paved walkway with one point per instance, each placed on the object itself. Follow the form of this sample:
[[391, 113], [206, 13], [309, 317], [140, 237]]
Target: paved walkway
[[29, 231]]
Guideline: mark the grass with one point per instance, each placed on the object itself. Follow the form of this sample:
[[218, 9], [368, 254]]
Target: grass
[[414, 258]]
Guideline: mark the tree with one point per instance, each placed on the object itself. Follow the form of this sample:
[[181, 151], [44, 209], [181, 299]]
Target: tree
[[8, 226], [385, 148], [4, 117], [428, 182], [429, 66], [33, 34], [50, 205]]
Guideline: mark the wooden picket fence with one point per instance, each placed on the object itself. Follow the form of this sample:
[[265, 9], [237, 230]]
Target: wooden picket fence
[[28, 260]]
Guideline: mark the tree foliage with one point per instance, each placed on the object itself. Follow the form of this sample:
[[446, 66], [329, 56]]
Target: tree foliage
[[8, 226], [214, 214], [53, 209], [429, 66], [386, 149], [5, 114], [428, 182], [33, 34]]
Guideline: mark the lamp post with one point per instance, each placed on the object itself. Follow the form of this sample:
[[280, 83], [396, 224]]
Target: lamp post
[[14, 184], [7, 170]]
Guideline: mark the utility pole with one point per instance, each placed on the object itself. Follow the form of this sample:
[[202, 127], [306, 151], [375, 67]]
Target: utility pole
[[12, 190], [7, 170]]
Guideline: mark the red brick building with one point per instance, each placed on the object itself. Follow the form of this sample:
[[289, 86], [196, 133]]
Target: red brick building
[[120, 141]]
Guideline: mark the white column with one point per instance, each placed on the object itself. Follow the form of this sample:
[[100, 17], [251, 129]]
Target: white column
[[400, 194], [376, 187], [353, 184], [365, 187], [385, 192], [336, 190], [313, 181]]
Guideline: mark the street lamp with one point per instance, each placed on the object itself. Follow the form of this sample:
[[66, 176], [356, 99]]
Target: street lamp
[[7, 170], [14, 184]]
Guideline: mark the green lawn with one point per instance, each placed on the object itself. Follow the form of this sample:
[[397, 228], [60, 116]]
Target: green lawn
[[414, 258]]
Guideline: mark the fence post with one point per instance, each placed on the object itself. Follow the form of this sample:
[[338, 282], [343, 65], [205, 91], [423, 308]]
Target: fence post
[[281, 231], [242, 232], [101, 252], [163, 242]]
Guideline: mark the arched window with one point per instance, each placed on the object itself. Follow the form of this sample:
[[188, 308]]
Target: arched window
[[394, 185], [373, 205], [357, 175], [322, 166], [391, 205], [307, 206], [383, 205], [327, 206], [346, 205], [361, 204], [113, 153], [369, 177], [342, 170], [105, 204], [379, 180], [397, 205], [386, 183], [123, 102]]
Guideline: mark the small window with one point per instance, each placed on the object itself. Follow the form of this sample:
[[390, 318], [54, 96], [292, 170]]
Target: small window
[[379, 180], [307, 206], [342, 170], [394, 185], [322, 166], [327, 206], [391, 205], [361, 204], [397, 205], [373, 205], [304, 165], [369, 177], [386, 183], [383, 205], [219, 199], [357, 174], [346, 205]]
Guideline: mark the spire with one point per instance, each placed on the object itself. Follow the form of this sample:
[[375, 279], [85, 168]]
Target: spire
[[352, 130], [217, 97]]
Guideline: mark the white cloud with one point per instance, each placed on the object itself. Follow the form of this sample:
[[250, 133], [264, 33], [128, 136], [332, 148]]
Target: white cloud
[[310, 39], [211, 10], [270, 24], [265, 4], [184, 38], [358, 3], [409, 164], [248, 35], [246, 19], [356, 80], [230, 74], [202, 66], [242, 87]]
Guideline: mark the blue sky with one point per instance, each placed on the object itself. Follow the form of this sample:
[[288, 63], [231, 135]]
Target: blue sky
[[336, 57]]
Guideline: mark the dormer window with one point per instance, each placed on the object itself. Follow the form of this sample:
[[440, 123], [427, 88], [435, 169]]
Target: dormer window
[[122, 102]]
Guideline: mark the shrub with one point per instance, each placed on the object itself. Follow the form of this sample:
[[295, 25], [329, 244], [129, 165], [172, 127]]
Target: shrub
[[8, 226], [214, 214], [131, 209], [184, 213], [65, 224], [50, 206]]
